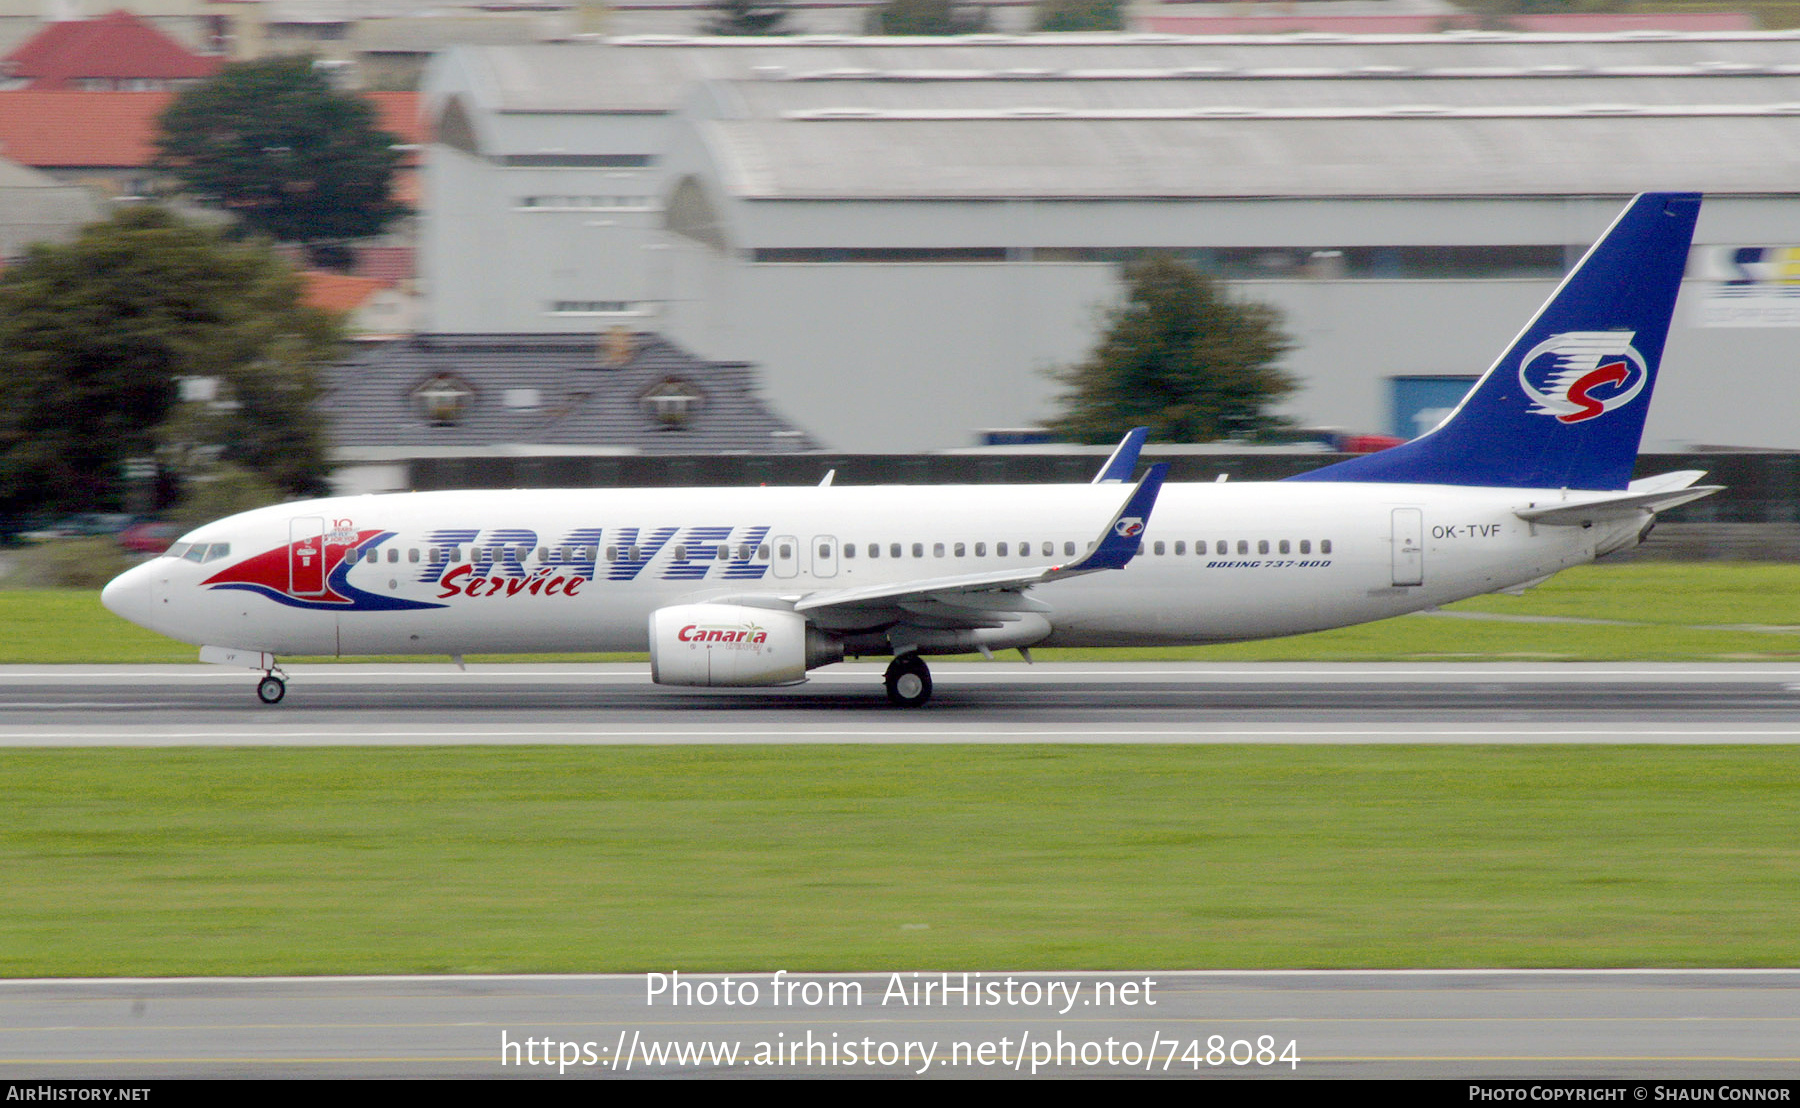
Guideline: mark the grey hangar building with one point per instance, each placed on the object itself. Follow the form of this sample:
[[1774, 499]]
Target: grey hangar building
[[904, 236]]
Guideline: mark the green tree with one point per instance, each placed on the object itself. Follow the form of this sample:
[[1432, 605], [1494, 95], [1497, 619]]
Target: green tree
[[1180, 357], [273, 142], [746, 17], [1081, 15], [95, 334], [927, 17]]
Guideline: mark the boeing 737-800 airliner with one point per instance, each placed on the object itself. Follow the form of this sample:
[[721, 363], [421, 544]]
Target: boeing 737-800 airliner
[[1531, 474]]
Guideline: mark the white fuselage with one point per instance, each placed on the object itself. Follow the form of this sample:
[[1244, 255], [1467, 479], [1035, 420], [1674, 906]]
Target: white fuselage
[[553, 570]]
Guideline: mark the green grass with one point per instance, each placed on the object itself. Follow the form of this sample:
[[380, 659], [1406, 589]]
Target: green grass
[[1771, 15], [540, 859], [1675, 611]]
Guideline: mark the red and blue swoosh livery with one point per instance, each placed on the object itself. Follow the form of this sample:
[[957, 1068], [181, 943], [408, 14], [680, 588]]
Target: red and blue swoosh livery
[[271, 574]]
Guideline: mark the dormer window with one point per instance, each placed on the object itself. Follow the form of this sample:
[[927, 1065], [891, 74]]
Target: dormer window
[[444, 400], [673, 403]]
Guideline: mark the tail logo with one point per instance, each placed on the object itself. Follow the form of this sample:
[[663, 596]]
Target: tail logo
[[1129, 527], [1578, 375]]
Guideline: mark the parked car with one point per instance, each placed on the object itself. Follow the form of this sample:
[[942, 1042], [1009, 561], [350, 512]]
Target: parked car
[[151, 537]]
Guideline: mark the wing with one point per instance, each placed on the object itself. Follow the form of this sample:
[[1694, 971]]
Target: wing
[[975, 600]]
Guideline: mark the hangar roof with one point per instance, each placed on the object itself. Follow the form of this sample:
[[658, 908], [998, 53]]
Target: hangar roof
[[1131, 117], [1118, 139], [652, 74]]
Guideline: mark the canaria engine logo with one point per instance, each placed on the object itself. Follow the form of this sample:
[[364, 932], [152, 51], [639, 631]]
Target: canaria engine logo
[[1578, 375]]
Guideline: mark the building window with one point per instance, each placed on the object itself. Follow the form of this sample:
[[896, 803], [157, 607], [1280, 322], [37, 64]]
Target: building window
[[673, 403], [593, 307], [444, 401], [585, 203]]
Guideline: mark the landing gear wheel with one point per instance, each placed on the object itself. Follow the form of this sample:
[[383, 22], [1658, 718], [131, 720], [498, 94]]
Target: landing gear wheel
[[271, 689], [908, 681]]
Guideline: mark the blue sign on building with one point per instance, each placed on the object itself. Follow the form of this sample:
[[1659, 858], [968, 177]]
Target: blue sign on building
[[1421, 402]]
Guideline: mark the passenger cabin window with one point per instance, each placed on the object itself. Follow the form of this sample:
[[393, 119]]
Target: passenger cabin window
[[960, 550], [981, 550], [1306, 546], [999, 550], [1068, 548], [1283, 548], [937, 550], [1157, 548], [1180, 547], [918, 550], [762, 552], [1325, 546]]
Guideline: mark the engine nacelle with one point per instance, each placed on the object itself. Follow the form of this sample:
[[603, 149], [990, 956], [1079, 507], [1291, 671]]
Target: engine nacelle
[[728, 644]]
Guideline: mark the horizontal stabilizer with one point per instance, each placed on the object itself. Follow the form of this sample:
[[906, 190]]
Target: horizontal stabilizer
[[1564, 514]]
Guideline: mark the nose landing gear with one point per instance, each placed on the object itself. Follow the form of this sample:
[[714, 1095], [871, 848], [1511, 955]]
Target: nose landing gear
[[272, 687], [908, 681]]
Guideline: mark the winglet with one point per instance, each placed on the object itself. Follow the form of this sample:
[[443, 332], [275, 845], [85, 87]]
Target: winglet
[[1119, 542], [1124, 458]]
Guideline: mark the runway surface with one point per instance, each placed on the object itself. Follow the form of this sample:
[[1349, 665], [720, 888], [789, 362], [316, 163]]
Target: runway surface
[[1637, 1025], [1001, 702]]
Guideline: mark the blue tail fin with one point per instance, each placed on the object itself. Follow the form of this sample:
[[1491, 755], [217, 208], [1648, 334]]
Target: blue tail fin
[[1564, 407]]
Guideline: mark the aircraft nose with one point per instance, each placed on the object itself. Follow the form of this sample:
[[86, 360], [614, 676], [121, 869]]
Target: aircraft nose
[[128, 595]]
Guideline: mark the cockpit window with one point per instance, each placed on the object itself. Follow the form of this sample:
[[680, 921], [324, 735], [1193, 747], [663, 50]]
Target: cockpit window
[[199, 552]]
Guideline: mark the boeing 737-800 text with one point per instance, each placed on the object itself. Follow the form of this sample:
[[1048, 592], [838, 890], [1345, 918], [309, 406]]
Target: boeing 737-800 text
[[756, 586]]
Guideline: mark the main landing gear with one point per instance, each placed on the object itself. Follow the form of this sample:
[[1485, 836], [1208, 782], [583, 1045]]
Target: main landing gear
[[271, 688], [908, 681]]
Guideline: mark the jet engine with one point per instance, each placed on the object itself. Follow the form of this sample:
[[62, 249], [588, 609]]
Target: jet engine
[[729, 644]]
